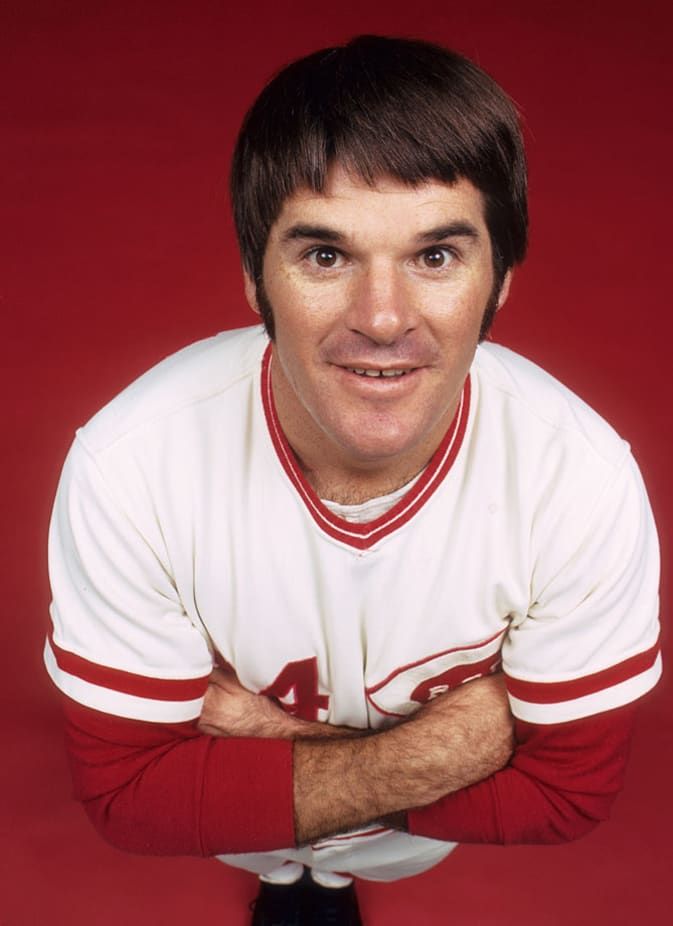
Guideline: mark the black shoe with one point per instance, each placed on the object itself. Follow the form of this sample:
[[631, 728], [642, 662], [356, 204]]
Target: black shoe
[[332, 906], [281, 904]]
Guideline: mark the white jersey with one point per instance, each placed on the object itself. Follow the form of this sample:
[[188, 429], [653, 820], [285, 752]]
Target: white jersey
[[184, 533]]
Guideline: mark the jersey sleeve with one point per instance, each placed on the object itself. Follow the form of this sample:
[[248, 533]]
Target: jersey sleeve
[[574, 666], [121, 641], [589, 643], [135, 669], [166, 789], [560, 783]]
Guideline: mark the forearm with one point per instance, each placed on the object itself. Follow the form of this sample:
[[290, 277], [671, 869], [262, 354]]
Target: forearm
[[161, 789], [449, 744], [344, 779], [562, 781], [167, 790]]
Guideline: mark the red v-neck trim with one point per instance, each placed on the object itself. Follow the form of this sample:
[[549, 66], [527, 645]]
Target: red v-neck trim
[[364, 536]]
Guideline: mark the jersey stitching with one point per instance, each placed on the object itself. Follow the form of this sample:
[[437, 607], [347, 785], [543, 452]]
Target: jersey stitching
[[165, 566], [537, 414], [92, 456], [607, 487], [163, 414]]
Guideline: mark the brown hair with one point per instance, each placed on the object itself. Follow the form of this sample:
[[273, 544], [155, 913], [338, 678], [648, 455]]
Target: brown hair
[[380, 106]]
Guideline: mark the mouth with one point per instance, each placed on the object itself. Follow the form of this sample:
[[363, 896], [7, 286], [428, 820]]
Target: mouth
[[375, 373]]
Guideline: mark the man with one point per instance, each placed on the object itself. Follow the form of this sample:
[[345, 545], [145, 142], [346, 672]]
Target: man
[[426, 571]]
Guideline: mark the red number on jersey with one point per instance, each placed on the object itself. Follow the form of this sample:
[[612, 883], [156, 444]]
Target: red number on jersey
[[296, 687]]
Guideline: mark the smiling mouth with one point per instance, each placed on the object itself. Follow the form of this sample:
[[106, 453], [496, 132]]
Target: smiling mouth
[[375, 374]]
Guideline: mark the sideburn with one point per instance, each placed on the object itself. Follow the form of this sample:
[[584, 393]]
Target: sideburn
[[264, 306]]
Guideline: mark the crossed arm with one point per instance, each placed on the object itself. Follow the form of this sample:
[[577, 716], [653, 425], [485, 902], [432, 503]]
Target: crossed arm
[[345, 778], [254, 778]]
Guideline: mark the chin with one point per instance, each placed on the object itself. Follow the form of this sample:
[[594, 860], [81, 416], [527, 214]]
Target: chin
[[381, 449]]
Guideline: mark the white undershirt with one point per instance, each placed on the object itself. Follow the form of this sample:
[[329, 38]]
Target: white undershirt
[[373, 508]]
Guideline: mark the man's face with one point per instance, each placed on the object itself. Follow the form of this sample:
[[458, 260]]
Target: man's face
[[377, 296]]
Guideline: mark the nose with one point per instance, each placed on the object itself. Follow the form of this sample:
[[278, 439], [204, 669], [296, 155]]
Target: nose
[[380, 304]]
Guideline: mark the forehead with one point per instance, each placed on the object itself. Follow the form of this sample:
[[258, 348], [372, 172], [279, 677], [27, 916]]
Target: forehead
[[351, 205]]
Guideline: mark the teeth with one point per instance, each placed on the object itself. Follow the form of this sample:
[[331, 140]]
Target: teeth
[[378, 373]]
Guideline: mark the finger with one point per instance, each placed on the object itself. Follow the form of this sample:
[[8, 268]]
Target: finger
[[209, 730]]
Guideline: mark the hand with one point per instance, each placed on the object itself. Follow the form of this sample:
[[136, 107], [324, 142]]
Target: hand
[[229, 709]]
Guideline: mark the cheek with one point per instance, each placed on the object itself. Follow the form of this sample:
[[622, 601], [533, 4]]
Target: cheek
[[456, 319], [304, 318], [296, 349]]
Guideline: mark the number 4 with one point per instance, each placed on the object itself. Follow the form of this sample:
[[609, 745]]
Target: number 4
[[296, 687]]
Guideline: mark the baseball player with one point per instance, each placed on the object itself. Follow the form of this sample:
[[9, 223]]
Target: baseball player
[[338, 591]]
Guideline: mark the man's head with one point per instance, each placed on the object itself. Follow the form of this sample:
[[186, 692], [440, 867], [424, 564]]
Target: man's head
[[380, 108]]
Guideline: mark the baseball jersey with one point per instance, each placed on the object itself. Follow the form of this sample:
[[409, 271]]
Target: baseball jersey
[[184, 533]]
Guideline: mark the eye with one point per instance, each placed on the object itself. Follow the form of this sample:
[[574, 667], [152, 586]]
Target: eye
[[324, 256], [437, 258]]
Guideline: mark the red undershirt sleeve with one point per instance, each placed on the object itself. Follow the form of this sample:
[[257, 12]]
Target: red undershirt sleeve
[[561, 782], [166, 789]]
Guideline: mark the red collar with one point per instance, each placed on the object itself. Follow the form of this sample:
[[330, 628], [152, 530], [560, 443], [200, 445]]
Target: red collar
[[363, 536]]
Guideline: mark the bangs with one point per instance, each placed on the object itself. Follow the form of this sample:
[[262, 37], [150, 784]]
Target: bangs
[[378, 107]]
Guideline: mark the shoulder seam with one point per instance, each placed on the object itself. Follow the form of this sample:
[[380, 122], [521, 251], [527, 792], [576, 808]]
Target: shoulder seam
[[614, 464]]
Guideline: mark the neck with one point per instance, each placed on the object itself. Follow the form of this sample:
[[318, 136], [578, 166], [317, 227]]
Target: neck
[[348, 489], [342, 474], [335, 477]]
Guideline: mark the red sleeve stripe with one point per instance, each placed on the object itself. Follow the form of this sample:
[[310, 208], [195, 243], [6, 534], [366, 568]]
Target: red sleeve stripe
[[553, 692], [141, 686]]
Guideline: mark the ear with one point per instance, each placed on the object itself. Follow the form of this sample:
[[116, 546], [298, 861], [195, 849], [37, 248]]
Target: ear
[[251, 292], [504, 290]]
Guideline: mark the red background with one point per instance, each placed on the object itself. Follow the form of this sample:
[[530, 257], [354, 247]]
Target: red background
[[118, 121]]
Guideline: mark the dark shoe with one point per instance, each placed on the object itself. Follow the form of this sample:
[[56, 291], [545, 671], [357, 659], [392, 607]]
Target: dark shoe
[[332, 906], [281, 904]]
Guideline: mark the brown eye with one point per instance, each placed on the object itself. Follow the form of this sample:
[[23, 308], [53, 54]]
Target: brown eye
[[436, 258], [325, 257]]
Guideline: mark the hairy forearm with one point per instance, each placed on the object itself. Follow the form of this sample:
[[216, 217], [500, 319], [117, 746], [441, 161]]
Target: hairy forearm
[[449, 744], [163, 789], [345, 778], [561, 782]]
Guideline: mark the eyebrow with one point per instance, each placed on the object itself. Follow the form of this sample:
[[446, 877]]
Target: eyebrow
[[321, 232], [457, 229]]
